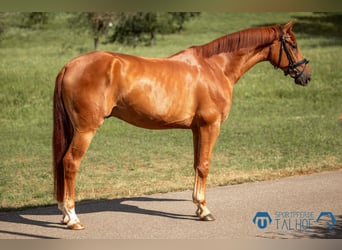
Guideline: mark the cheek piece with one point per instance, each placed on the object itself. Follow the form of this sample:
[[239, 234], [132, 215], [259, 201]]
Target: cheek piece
[[292, 67]]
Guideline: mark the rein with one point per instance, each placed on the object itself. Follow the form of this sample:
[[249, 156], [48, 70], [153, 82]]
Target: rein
[[292, 65]]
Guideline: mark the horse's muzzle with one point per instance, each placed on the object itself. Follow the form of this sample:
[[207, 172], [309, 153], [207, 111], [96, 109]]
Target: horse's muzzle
[[303, 79]]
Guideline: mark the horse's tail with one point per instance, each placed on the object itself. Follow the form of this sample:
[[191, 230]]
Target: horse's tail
[[62, 136]]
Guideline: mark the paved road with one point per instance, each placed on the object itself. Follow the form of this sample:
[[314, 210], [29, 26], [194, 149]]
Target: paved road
[[164, 216]]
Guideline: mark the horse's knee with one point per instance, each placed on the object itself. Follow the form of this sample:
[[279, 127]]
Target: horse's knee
[[203, 169]]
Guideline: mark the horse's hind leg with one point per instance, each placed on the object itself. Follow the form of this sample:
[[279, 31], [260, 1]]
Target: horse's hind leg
[[71, 163]]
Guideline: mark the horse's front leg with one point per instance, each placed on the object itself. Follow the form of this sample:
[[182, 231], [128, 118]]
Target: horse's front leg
[[204, 141]]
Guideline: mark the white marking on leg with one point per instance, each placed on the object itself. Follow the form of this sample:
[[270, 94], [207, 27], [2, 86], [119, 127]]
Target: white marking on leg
[[71, 214], [200, 196], [199, 192], [65, 218], [204, 211]]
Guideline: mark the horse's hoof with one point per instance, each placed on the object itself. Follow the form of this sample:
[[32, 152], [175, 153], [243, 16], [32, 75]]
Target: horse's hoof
[[76, 226], [208, 217]]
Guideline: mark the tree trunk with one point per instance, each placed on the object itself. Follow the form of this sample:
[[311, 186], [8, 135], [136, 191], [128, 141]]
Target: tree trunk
[[96, 42]]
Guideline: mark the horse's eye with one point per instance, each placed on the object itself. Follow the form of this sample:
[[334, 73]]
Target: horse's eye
[[294, 46]]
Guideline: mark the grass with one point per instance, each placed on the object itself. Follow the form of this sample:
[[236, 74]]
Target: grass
[[275, 128]]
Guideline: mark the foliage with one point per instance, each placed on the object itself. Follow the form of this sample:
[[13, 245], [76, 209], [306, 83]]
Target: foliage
[[179, 18], [35, 20], [132, 26], [2, 24], [129, 28]]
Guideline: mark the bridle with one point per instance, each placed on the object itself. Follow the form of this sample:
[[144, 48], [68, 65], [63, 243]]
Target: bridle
[[292, 65]]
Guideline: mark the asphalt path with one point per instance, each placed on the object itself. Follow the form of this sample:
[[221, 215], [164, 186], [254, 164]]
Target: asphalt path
[[293, 204]]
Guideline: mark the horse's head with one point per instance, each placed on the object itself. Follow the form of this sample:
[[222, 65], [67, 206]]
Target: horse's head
[[286, 55]]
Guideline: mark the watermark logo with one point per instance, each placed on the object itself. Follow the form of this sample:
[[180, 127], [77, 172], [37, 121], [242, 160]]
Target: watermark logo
[[330, 223], [293, 220], [262, 219]]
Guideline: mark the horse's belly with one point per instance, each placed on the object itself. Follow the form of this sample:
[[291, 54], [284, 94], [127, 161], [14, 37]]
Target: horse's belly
[[151, 120]]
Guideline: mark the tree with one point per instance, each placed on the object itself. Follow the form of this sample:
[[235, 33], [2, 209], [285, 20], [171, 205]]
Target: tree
[[98, 23], [179, 18], [131, 26]]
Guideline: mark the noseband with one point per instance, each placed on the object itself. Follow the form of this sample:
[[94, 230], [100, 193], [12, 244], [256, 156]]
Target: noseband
[[292, 65]]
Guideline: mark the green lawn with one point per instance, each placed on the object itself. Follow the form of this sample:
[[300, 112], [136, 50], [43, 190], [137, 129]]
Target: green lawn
[[275, 127]]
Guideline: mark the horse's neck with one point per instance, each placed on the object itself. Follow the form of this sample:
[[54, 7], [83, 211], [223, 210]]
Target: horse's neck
[[235, 64]]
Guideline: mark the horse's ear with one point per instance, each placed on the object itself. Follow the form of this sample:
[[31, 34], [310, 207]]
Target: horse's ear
[[288, 26]]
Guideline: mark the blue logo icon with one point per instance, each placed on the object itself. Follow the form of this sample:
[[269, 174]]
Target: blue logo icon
[[262, 219], [331, 217]]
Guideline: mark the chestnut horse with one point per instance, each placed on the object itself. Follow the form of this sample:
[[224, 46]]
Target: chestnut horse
[[189, 90]]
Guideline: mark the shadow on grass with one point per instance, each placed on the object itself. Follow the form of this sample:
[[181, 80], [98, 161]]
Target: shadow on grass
[[327, 25], [24, 217]]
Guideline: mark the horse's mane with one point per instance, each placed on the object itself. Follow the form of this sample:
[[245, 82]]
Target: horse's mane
[[253, 37]]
